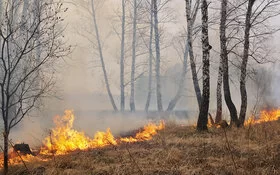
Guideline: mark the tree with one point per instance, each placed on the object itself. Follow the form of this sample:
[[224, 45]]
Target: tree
[[191, 16], [107, 84], [247, 37], [243, 74], [150, 57], [132, 81], [219, 99], [157, 44], [224, 57], [25, 79], [122, 58], [204, 105]]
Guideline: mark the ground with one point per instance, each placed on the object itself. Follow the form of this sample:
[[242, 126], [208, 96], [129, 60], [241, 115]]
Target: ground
[[175, 150]]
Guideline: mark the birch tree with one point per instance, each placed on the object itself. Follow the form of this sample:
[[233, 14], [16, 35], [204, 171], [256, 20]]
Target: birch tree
[[219, 99], [243, 91], [24, 79], [224, 57], [150, 57], [157, 45], [107, 84], [191, 17], [256, 29], [132, 81], [204, 105], [122, 58]]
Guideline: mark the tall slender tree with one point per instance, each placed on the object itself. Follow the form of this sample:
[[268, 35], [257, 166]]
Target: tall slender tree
[[122, 58], [150, 57], [219, 99], [190, 20], [191, 16], [244, 63], [204, 105], [157, 43], [107, 84], [224, 57], [132, 80]]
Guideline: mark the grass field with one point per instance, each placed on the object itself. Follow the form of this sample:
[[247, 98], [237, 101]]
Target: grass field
[[175, 150]]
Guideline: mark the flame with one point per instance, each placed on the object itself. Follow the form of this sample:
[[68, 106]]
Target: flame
[[265, 116], [147, 134], [63, 138]]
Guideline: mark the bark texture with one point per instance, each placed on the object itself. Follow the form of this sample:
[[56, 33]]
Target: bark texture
[[219, 93], [224, 57], [204, 105], [190, 22], [157, 39], [244, 63]]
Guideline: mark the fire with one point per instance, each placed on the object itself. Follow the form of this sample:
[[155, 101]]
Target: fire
[[265, 116], [63, 138], [147, 134]]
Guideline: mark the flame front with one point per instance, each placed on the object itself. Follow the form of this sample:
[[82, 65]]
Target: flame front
[[63, 138], [265, 116], [147, 134]]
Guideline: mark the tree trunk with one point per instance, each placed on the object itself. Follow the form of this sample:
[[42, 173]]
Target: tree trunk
[[6, 148], [122, 58], [132, 99], [102, 59], [204, 105], [190, 22], [243, 91], [224, 57], [188, 50], [178, 95], [150, 59], [219, 93], [158, 83]]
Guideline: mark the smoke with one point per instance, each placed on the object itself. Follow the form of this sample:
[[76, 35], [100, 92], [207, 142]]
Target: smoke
[[80, 81]]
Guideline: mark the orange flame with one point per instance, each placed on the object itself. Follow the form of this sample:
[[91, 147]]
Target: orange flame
[[147, 134], [63, 138], [265, 116]]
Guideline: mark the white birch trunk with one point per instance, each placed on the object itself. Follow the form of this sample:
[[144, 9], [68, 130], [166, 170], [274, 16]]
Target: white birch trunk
[[122, 58], [157, 39], [102, 59], [132, 80], [150, 58]]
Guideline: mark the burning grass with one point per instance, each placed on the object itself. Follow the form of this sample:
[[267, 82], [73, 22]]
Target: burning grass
[[175, 150]]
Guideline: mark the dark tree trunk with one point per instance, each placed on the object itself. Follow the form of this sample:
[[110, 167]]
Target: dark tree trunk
[[224, 57], [204, 106], [122, 59], [150, 59], [190, 22], [243, 91], [158, 82], [6, 149]]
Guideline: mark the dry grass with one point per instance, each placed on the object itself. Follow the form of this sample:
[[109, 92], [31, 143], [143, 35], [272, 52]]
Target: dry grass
[[176, 150]]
